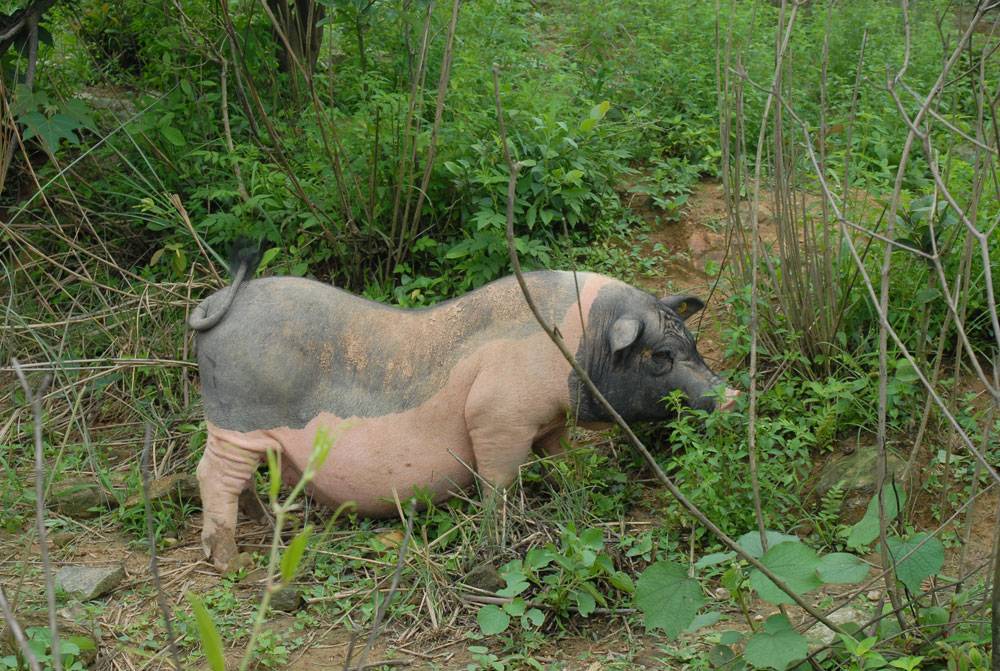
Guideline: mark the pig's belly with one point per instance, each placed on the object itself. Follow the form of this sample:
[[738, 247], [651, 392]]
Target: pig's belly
[[374, 461]]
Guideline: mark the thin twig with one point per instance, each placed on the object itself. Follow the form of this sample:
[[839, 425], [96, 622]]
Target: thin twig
[[35, 400], [392, 588], [161, 599], [15, 629]]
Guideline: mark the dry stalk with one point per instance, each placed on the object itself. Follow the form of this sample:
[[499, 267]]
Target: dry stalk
[[35, 401], [161, 599]]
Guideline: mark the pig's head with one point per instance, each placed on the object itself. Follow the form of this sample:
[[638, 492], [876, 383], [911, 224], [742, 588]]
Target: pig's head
[[637, 351]]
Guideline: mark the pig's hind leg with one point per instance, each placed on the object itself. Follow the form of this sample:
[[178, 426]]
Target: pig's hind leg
[[224, 472]]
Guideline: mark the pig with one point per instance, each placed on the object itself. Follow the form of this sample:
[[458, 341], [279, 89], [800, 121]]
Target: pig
[[421, 396]]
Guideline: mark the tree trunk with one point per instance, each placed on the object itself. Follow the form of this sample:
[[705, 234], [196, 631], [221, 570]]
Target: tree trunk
[[298, 20]]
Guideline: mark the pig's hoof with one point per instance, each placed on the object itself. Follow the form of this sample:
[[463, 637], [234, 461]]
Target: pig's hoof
[[220, 547]]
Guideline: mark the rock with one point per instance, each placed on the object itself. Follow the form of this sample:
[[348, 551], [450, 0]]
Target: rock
[[857, 475], [75, 628], [61, 538], [486, 578], [178, 487], [257, 575], [288, 600], [707, 246], [80, 497], [89, 582], [822, 633], [241, 562]]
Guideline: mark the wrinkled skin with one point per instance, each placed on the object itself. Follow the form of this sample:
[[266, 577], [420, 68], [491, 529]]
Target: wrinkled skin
[[423, 396]]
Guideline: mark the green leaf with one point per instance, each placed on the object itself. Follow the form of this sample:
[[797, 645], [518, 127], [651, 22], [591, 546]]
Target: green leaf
[[514, 576], [173, 136], [935, 615], [293, 555], [750, 541], [703, 620], [926, 295], [533, 616], [795, 564], [515, 607], [865, 531], [839, 568], [720, 655], [598, 111], [492, 619], [777, 646], [713, 559], [622, 581], [211, 642], [668, 599], [585, 603], [926, 560], [588, 125], [731, 637], [267, 257], [905, 371]]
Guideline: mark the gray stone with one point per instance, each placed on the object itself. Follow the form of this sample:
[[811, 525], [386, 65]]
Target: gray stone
[[486, 578], [89, 582], [856, 474], [178, 487], [822, 633], [80, 497], [288, 600]]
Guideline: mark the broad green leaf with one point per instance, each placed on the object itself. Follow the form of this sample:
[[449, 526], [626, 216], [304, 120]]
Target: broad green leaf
[[598, 111], [935, 615], [713, 559], [795, 564], [622, 581], [534, 617], [720, 655], [750, 541], [777, 645], [866, 531], [703, 620], [588, 124], [492, 619], [514, 576], [593, 539], [839, 568], [667, 597], [293, 555], [211, 642], [173, 136], [731, 637], [926, 560], [585, 603], [515, 607], [268, 256], [905, 371]]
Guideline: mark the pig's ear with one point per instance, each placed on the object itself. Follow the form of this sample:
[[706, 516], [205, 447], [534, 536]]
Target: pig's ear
[[685, 306], [624, 332]]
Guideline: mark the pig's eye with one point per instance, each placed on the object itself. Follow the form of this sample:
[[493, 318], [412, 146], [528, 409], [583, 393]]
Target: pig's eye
[[663, 357]]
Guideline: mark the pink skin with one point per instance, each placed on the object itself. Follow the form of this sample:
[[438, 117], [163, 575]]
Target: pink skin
[[473, 419]]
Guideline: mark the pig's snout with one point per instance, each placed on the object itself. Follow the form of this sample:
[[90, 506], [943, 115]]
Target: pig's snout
[[731, 396]]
